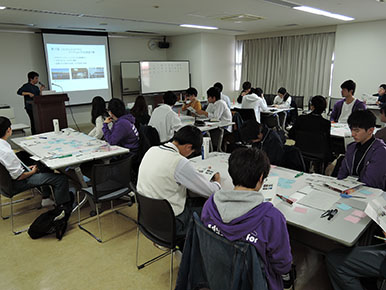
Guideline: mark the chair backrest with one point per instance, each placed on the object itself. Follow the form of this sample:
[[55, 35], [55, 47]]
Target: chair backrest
[[293, 158], [224, 264], [269, 98], [313, 145], [156, 220], [299, 101], [271, 120], [246, 114], [112, 177], [5, 182]]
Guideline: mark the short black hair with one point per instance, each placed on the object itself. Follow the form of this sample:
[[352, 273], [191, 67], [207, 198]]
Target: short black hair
[[349, 85], [191, 91], [282, 91], [219, 86], [383, 86], [170, 98], [363, 119], [31, 75], [189, 135], [319, 103], [250, 130], [247, 165], [246, 86], [383, 109], [257, 91], [213, 92], [117, 107], [5, 123]]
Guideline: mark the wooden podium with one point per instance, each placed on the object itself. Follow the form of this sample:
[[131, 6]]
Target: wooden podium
[[49, 107]]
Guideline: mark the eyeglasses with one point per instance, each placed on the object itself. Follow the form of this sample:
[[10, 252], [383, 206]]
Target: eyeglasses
[[329, 213]]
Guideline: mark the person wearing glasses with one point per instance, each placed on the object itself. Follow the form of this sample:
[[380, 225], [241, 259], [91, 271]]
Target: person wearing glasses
[[166, 173]]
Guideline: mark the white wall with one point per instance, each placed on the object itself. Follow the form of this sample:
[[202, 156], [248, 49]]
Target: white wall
[[211, 59], [360, 55], [21, 52]]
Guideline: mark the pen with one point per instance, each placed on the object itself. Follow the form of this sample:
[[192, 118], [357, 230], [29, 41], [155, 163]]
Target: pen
[[381, 238], [283, 198], [299, 174], [64, 156], [41, 137]]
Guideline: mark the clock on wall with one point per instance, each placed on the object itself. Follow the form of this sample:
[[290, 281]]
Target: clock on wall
[[152, 44]]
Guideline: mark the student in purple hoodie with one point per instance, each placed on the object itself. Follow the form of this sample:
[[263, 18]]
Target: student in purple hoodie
[[242, 214], [365, 158], [123, 133]]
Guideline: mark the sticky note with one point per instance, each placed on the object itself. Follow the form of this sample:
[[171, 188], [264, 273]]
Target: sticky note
[[352, 219], [359, 213], [285, 183], [365, 191], [273, 174], [344, 206], [300, 209]]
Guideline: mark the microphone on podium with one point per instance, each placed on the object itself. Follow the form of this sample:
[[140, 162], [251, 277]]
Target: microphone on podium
[[40, 83], [59, 86]]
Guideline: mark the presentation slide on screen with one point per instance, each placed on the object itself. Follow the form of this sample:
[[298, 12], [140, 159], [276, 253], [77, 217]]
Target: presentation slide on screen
[[78, 65]]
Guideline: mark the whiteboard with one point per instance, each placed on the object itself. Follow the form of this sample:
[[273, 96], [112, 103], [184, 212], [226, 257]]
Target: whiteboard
[[130, 77], [162, 76]]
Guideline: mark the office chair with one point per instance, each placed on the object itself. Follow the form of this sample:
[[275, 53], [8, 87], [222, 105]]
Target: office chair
[[109, 182], [156, 221], [7, 190], [246, 114]]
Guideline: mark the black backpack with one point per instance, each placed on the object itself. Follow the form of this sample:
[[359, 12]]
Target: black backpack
[[46, 224]]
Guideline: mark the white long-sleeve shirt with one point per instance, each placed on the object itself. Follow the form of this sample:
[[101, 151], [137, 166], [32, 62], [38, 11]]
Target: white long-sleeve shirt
[[9, 160], [281, 103], [166, 122], [97, 132], [253, 101], [220, 111]]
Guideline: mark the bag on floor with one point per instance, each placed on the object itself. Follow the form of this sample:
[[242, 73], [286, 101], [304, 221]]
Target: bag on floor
[[52, 221]]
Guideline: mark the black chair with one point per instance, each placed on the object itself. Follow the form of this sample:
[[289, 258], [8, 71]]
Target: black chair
[[210, 261], [156, 221], [246, 114], [7, 190], [109, 182], [299, 101], [315, 148], [269, 98], [293, 159], [271, 121]]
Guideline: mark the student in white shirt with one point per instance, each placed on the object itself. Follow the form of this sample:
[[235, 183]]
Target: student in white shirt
[[217, 108], [225, 98], [98, 115], [166, 173], [24, 179], [255, 100], [283, 99], [343, 108], [164, 119]]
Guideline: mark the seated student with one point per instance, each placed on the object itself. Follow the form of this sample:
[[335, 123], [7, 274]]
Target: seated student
[[166, 173], [343, 108], [313, 122], [263, 138], [381, 95], [381, 134], [225, 98], [283, 99], [346, 266], [255, 100], [164, 119], [217, 108], [365, 158], [242, 214], [123, 133], [191, 100], [24, 179], [98, 115], [247, 86], [140, 112]]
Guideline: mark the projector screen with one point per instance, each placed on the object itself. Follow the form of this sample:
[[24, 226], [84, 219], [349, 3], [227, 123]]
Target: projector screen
[[78, 65], [162, 76]]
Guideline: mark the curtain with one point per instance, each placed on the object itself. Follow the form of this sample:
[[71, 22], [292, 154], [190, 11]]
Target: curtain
[[301, 64]]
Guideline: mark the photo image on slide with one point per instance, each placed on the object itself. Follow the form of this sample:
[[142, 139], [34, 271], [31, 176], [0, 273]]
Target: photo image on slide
[[96, 72], [60, 74], [79, 73]]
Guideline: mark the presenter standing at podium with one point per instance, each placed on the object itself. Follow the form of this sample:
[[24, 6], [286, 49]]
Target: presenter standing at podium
[[29, 91]]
